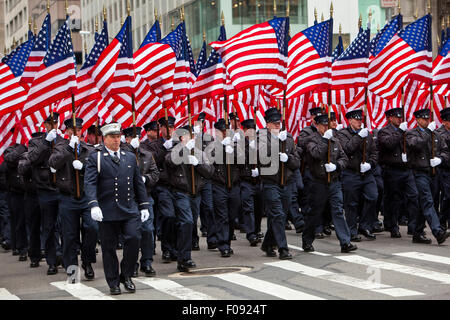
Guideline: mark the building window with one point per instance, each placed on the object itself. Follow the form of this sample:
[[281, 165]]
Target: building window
[[258, 11]]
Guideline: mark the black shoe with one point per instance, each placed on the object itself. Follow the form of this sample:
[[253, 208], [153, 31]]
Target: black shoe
[[195, 246], [377, 229], [233, 237], [308, 248], [186, 265], [119, 246], [52, 269], [369, 235], [42, 255], [346, 248], [225, 253], [59, 261], [212, 246], [148, 271], [288, 226], [114, 291], [410, 233], [128, 284], [6, 246], [173, 257], [442, 236], [231, 251], [136, 271], [166, 257], [15, 252], [96, 250], [284, 254], [270, 252], [78, 252], [396, 234], [23, 257], [356, 238], [319, 235], [204, 234], [34, 264], [299, 229], [260, 235], [403, 222], [253, 241], [88, 271], [421, 239], [327, 231]]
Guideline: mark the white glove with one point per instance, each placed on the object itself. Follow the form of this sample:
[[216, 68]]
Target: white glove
[[432, 126], [190, 144], [226, 141], [252, 144], [255, 172], [330, 167], [283, 157], [404, 157], [51, 135], [143, 179], [168, 144], [363, 133], [403, 126], [236, 137], [197, 129], [229, 149], [365, 167], [59, 132], [144, 215], [122, 139], [435, 162], [135, 143], [77, 164], [339, 127], [328, 134], [193, 160], [74, 140], [282, 135], [52, 170], [96, 214]]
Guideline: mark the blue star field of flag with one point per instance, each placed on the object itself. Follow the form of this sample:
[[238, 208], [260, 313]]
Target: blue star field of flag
[[385, 35], [100, 44], [445, 48], [201, 58], [319, 35], [418, 34], [190, 56], [44, 35], [359, 48], [214, 57], [175, 41], [154, 35], [281, 27], [124, 36], [338, 50], [17, 59], [61, 48]]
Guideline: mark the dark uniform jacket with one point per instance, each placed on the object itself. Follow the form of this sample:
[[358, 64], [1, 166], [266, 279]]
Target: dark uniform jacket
[[418, 143], [3, 182], [220, 172], [353, 144], [61, 160], [117, 189], [390, 142], [12, 156], [444, 135], [181, 174], [293, 152], [251, 158], [159, 152], [317, 156]]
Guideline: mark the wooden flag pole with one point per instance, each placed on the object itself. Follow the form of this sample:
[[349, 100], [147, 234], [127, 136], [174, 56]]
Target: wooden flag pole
[[227, 123], [329, 141], [433, 142], [283, 143], [192, 151], [75, 150]]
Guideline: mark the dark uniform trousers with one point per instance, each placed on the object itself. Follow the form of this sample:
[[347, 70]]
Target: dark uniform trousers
[[251, 202], [294, 213], [360, 194], [5, 227], [226, 210], [400, 192], [167, 216], [184, 223], [49, 202], [425, 183], [378, 176], [70, 213], [195, 208], [444, 180], [35, 218], [19, 239], [147, 237], [207, 207], [277, 200], [320, 194], [109, 236]]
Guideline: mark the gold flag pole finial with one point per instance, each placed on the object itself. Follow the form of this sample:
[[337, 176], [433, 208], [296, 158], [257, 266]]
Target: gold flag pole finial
[[322, 19], [173, 24], [378, 27], [223, 19], [331, 10], [360, 21], [156, 14], [48, 6], [66, 6], [399, 7], [30, 23], [85, 49], [128, 8], [429, 7], [13, 46], [288, 9], [443, 23], [105, 14], [416, 14], [35, 27], [182, 13], [121, 21], [340, 29], [438, 41], [315, 14], [96, 24], [204, 35], [274, 7], [370, 16], [448, 21]]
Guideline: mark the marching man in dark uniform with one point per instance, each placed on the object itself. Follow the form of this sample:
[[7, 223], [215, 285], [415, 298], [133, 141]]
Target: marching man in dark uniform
[[118, 200], [360, 187], [420, 157], [73, 204], [322, 192], [444, 169]]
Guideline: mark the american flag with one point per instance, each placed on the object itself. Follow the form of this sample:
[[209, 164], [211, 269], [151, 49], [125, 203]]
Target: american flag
[[37, 55], [257, 55], [338, 50], [441, 65], [201, 58], [376, 107], [408, 54], [416, 97], [310, 60], [56, 78]]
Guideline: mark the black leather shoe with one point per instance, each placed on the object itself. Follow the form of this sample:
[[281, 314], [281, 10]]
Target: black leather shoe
[[212, 246], [346, 248], [403, 222], [284, 254], [148, 271], [34, 264], [253, 241], [231, 251], [299, 229], [59, 261], [319, 235], [114, 291], [442, 236], [119, 246], [42, 255], [396, 234], [88, 271], [288, 226], [195, 246], [6, 246], [52, 269], [308, 248], [15, 252], [225, 253], [270, 252], [260, 235], [128, 284], [356, 238], [369, 235], [421, 239], [233, 237], [166, 257], [204, 234], [136, 271], [186, 265], [173, 257], [327, 231], [377, 229], [23, 257], [96, 250]]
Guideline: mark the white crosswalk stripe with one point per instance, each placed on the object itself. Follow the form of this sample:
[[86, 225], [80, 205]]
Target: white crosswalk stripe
[[317, 253], [6, 295], [344, 279], [81, 291], [424, 257], [174, 289], [266, 287], [412, 271]]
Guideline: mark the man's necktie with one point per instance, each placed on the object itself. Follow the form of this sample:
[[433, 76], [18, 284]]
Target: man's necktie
[[115, 158]]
